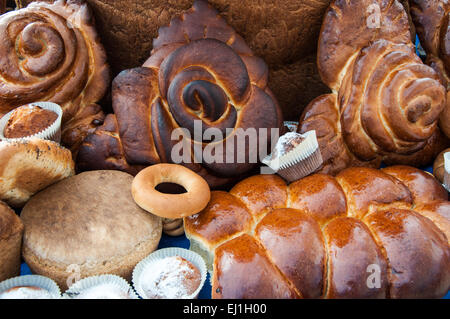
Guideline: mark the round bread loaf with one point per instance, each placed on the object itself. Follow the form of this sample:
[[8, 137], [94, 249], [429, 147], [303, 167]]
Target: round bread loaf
[[11, 231], [365, 233], [87, 225]]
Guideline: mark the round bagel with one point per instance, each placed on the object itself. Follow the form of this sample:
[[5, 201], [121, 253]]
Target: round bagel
[[170, 205]]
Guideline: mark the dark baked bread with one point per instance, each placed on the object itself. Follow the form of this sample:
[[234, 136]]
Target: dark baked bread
[[11, 231], [51, 52], [324, 236], [386, 103], [200, 71]]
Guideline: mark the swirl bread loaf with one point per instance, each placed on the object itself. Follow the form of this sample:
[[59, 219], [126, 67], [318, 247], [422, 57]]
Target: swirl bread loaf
[[431, 18], [324, 236], [200, 74], [51, 52], [386, 103]]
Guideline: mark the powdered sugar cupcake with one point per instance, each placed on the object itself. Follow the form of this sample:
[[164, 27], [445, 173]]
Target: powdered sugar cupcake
[[295, 156], [170, 273], [29, 287], [101, 287]]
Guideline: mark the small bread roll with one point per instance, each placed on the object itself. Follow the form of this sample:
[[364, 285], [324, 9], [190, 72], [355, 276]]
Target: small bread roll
[[29, 166]]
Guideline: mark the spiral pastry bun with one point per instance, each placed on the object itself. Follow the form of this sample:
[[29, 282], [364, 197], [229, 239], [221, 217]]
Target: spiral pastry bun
[[51, 52], [201, 73], [431, 18], [385, 102]]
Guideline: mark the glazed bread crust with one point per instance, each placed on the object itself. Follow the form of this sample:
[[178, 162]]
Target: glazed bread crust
[[181, 85], [318, 237], [51, 52], [385, 103]]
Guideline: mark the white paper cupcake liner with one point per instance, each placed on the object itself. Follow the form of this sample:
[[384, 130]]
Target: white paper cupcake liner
[[189, 255], [52, 133], [446, 182], [32, 281], [75, 291], [299, 162]]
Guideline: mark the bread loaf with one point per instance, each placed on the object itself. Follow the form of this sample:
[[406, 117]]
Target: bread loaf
[[365, 233], [28, 166], [386, 103], [431, 18], [51, 52], [200, 73], [11, 231]]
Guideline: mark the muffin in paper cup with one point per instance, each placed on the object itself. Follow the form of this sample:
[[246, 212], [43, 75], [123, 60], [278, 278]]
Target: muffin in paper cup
[[147, 269], [295, 156], [29, 287], [101, 287], [446, 182], [52, 132]]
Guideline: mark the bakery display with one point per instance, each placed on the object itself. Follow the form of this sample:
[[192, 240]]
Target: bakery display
[[385, 102], [170, 273], [295, 156], [29, 287], [167, 205], [183, 93], [11, 231], [431, 20], [100, 287], [322, 236], [28, 166], [202, 91], [90, 221], [51, 52]]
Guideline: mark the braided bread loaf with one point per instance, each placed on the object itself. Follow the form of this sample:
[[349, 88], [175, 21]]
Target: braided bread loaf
[[385, 103], [200, 71], [431, 18], [51, 52], [328, 237]]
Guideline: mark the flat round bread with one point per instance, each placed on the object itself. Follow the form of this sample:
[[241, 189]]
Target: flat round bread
[[87, 225]]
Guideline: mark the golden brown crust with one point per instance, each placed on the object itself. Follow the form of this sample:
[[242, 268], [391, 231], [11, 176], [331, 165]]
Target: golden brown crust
[[108, 233], [11, 231], [42, 163], [351, 252], [431, 18], [182, 84], [428, 253], [386, 103], [59, 58], [423, 186], [349, 236], [166, 205], [249, 264]]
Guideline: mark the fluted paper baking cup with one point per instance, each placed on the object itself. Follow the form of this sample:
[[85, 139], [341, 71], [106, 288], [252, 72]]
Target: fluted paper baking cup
[[302, 160], [159, 254], [32, 281], [447, 171], [52, 133], [100, 287]]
